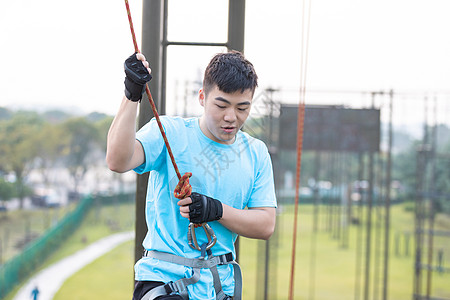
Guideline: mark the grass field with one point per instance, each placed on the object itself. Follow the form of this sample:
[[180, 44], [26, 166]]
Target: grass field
[[101, 221], [109, 277], [329, 273], [19, 227]]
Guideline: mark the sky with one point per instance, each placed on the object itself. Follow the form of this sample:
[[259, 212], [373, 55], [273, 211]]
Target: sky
[[70, 54]]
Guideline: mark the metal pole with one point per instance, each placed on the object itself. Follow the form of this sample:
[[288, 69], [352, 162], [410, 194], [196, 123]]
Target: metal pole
[[348, 201], [236, 25], [432, 205], [418, 216], [266, 269], [369, 219], [388, 201], [419, 211], [330, 163], [369, 228], [164, 23], [151, 41], [360, 229], [313, 247], [335, 200], [236, 29]]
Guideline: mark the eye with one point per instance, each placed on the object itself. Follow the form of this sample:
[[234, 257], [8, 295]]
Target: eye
[[242, 109], [220, 106]]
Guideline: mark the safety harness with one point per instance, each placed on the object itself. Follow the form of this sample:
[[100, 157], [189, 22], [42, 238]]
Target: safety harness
[[205, 261]]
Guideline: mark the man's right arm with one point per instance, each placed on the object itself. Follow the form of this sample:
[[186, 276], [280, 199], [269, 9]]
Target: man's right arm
[[123, 151]]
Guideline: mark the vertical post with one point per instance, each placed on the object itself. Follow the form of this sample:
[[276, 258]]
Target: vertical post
[[152, 23], [369, 218], [388, 201], [431, 216], [151, 45], [317, 167], [315, 227], [369, 227], [421, 166], [349, 203], [378, 227], [163, 57], [418, 228], [360, 229], [236, 25], [236, 30], [328, 197]]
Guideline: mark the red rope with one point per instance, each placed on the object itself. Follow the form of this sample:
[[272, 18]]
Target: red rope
[[300, 129], [183, 188]]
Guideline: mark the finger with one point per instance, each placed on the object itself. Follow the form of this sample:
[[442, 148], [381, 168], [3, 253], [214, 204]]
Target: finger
[[184, 209], [140, 56], [184, 215], [185, 201]]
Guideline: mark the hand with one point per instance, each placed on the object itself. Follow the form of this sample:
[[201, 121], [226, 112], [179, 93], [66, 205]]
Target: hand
[[137, 75], [199, 208]]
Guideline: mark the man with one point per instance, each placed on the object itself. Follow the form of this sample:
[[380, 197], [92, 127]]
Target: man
[[35, 293], [231, 172]]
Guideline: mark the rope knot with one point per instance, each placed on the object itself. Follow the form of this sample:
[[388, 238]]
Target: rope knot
[[183, 188]]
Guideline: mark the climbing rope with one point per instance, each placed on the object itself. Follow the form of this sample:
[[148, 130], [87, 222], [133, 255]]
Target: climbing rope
[[183, 189], [300, 129]]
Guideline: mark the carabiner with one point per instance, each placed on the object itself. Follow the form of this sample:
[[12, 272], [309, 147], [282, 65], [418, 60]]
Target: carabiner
[[192, 238]]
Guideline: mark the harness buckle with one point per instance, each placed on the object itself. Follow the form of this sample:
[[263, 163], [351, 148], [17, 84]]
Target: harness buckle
[[192, 238]]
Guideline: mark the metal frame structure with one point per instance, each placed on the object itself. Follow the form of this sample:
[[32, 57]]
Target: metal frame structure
[[154, 45], [425, 212]]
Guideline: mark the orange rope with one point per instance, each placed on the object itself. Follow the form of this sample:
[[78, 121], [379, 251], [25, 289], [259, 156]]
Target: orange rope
[[300, 129], [183, 188]]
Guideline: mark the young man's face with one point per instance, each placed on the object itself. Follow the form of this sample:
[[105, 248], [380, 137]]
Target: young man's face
[[224, 114]]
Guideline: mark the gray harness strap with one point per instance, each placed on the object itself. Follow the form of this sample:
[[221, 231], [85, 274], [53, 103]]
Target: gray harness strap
[[196, 264], [171, 287]]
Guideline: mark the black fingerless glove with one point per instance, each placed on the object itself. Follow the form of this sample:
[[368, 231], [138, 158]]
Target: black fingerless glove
[[136, 77], [204, 209]]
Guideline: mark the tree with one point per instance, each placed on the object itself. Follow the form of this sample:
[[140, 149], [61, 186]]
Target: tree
[[50, 143], [17, 147], [6, 190], [5, 113], [80, 147]]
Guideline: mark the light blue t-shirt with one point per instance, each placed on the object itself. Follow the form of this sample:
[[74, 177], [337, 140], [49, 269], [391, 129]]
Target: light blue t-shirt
[[239, 175]]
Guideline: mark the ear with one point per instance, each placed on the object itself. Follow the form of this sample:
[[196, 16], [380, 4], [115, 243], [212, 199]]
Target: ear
[[201, 97]]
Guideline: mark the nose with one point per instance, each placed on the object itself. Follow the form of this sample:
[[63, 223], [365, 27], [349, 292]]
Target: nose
[[230, 115]]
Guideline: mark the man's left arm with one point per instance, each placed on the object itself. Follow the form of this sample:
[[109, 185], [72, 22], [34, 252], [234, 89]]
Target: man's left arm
[[256, 223]]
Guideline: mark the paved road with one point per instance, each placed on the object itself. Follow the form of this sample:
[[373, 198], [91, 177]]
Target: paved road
[[51, 279]]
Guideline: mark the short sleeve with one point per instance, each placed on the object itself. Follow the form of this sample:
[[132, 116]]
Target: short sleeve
[[263, 192], [153, 144]]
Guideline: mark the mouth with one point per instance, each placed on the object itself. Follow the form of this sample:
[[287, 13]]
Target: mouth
[[228, 129]]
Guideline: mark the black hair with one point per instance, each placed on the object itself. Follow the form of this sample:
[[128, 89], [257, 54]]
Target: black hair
[[230, 72]]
